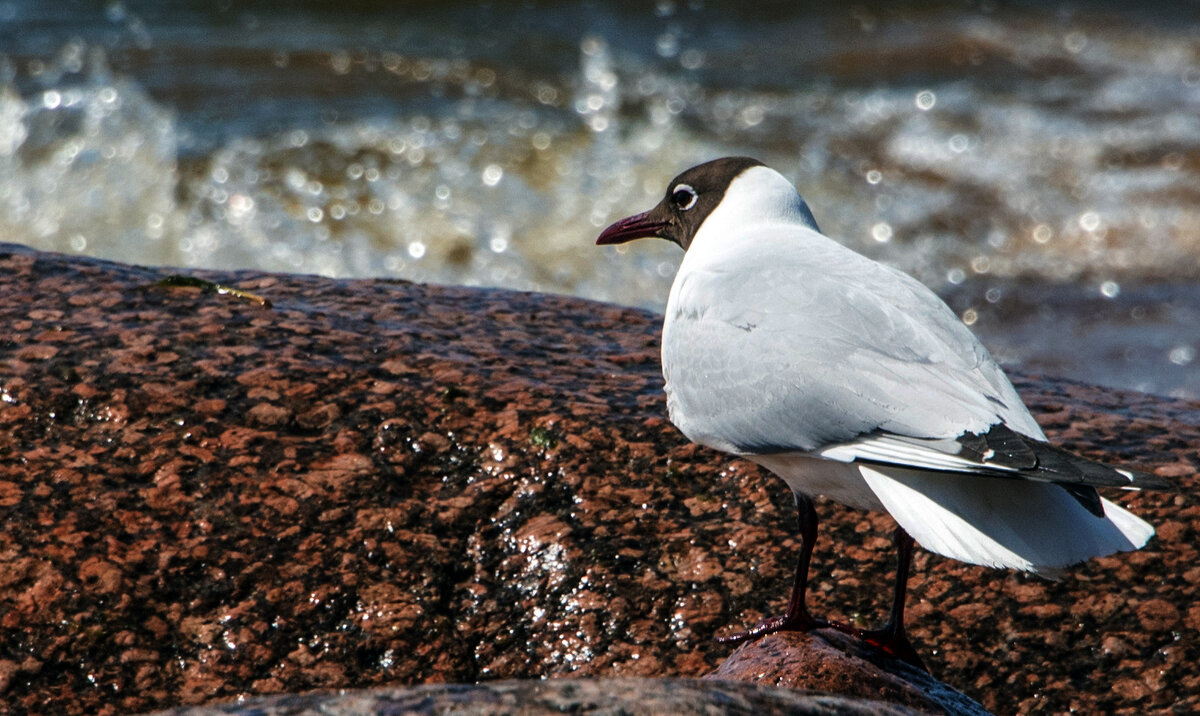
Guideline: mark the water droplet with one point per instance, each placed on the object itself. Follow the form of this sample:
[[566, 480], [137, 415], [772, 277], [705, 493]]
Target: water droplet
[[752, 116], [592, 45], [882, 232], [667, 45], [925, 100], [493, 174], [691, 59], [1074, 42], [115, 12], [874, 176], [340, 61], [1181, 355]]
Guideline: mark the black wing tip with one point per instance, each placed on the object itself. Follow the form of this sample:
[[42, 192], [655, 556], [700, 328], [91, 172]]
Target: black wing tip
[[1089, 497], [1139, 480], [1039, 460]]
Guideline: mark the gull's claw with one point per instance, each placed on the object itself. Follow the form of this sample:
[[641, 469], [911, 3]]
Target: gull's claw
[[783, 622], [888, 640]]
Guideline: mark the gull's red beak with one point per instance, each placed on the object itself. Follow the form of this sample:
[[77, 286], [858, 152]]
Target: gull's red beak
[[640, 226]]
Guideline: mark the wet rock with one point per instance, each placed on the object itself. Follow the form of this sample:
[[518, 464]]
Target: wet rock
[[559, 696], [831, 662], [377, 483]]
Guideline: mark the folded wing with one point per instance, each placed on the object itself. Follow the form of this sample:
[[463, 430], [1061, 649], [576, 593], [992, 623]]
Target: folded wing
[[827, 353]]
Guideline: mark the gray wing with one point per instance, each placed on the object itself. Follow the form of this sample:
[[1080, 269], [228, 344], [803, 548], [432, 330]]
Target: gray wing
[[805, 346], [798, 345]]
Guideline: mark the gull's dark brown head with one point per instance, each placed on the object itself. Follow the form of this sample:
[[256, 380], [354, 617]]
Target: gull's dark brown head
[[690, 198]]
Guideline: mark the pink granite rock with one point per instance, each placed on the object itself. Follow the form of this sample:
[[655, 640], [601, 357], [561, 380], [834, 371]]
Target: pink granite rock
[[828, 661], [379, 483]]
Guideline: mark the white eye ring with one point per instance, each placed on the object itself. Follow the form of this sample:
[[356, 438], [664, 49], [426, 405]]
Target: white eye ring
[[683, 197]]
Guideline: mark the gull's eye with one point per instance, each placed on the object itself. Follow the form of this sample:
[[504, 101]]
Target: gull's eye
[[683, 198]]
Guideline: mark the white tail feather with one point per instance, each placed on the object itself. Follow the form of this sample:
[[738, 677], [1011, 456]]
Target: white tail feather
[[1031, 526]]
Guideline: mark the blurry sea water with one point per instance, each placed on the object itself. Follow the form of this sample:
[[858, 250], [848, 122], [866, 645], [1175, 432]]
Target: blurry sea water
[[1038, 166]]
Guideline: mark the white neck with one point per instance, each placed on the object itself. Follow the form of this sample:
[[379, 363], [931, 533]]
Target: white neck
[[759, 195]]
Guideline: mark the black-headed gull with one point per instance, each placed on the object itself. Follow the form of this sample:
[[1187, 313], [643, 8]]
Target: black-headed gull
[[850, 379]]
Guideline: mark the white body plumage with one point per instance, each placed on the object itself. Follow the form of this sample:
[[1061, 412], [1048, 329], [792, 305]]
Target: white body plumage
[[852, 380]]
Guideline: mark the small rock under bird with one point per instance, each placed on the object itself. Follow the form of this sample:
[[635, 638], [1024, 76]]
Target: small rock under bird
[[850, 379]]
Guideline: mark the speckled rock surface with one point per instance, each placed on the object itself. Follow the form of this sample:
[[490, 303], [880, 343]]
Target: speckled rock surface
[[559, 696], [378, 483], [828, 661]]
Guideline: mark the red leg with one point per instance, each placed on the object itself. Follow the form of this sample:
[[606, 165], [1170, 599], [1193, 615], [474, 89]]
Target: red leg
[[796, 618], [891, 638]]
